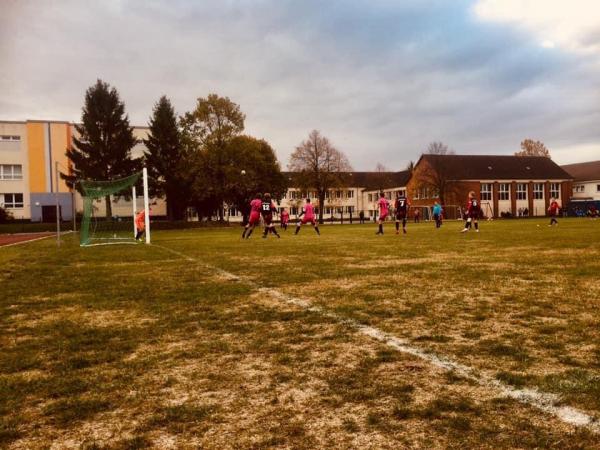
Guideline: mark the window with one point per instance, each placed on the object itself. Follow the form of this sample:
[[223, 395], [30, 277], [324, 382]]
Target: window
[[350, 209], [370, 197], [598, 188], [13, 200], [538, 191], [504, 191], [388, 195], [555, 190], [338, 194], [11, 172], [486, 191], [294, 210], [521, 191], [10, 138], [350, 194]]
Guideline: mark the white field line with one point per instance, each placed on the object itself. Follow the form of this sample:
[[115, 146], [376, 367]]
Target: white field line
[[33, 240], [543, 401]]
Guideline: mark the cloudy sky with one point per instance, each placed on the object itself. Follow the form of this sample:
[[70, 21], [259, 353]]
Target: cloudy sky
[[380, 78]]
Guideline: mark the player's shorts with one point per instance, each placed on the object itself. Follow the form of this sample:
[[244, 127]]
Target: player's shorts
[[436, 217], [306, 220], [383, 216], [473, 215], [254, 218], [400, 215], [268, 218]]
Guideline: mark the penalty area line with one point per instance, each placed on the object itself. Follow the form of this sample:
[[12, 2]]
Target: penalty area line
[[33, 240], [540, 400]]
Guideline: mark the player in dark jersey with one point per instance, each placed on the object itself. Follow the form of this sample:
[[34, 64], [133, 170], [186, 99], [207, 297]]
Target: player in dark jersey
[[473, 211], [401, 205], [267, 209]]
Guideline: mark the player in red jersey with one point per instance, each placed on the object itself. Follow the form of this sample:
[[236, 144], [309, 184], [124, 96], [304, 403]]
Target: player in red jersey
[[401, 206], [267, 209], [309, 217], [384, 210], [473, 211], [553, 210], [255, 207], [285, 219]]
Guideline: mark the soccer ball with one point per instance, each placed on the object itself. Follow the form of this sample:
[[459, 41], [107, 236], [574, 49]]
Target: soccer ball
[[243, 172]]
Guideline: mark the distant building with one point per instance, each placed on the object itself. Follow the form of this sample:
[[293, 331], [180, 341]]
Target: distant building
[[506, 185], [586, 184], [29, 151]]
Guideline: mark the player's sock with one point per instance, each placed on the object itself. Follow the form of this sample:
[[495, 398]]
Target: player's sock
[[265, 232], [244, 233], [380, 228], [249, 233], [297, 229], [317, 230], [397, 226], [477, 226]]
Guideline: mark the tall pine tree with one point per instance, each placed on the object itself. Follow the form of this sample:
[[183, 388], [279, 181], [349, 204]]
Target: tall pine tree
[[102, 149], [166, 159]]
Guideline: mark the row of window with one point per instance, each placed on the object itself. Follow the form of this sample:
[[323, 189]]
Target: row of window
[[297, 195], [388, 195], [11, 200], [521, 192], [11, 172], [5, 137], [578, 188]]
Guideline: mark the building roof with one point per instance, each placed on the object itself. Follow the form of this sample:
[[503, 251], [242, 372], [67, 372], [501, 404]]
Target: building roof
[[588, 171], [369, 181], [497, 167]]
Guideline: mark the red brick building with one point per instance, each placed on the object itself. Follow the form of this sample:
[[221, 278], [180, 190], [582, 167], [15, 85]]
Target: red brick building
[[515, 185]]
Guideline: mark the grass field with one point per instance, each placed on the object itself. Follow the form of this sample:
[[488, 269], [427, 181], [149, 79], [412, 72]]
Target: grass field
[[203, 340]]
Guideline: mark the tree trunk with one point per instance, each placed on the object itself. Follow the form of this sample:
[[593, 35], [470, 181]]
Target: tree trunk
[[321, 206], [108, 207]]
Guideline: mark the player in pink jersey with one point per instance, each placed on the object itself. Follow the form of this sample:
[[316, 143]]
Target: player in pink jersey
[[255, 208], [285, 218], [384, 210], [309, 217]]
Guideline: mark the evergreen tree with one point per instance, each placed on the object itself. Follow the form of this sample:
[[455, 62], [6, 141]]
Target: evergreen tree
[[166, 159], [102, 149]]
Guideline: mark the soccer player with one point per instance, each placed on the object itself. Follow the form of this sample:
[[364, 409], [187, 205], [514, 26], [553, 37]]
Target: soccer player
[[553, 211], [254, 219], [384, 209], [140, 224], [437, 214], [309, 217], [285, 219], [267, 210], [401, 206], [473, 210]]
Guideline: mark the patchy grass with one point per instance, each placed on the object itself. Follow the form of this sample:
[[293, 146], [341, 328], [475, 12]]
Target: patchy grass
[[136, 347]]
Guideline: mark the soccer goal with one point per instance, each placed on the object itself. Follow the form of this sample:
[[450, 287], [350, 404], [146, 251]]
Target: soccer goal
[[122, 224]]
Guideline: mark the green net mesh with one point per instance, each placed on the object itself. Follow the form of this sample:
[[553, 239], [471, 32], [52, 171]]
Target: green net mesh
[[100, 228]]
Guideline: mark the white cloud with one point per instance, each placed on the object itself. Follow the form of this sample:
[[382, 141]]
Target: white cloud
[[573, 25]]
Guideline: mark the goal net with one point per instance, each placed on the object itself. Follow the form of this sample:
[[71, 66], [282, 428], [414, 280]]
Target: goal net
[[119, 226]]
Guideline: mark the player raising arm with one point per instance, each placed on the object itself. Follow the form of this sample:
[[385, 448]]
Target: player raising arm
[[401, 206], [267, 210], [255, 207], [384, 209], [309, 217], [473, 210]]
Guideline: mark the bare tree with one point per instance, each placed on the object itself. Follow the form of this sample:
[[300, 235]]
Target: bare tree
[[439, 148], [434, 175], [381, 168], [529, 147], [410, 166], [321, 166]]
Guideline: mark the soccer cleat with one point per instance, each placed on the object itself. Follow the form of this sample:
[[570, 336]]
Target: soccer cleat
[[404, 231], [397, 232], [464, 230], [476, 231]]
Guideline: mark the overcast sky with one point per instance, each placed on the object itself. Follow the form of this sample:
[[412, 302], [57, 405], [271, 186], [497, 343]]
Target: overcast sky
[[380, 78]]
